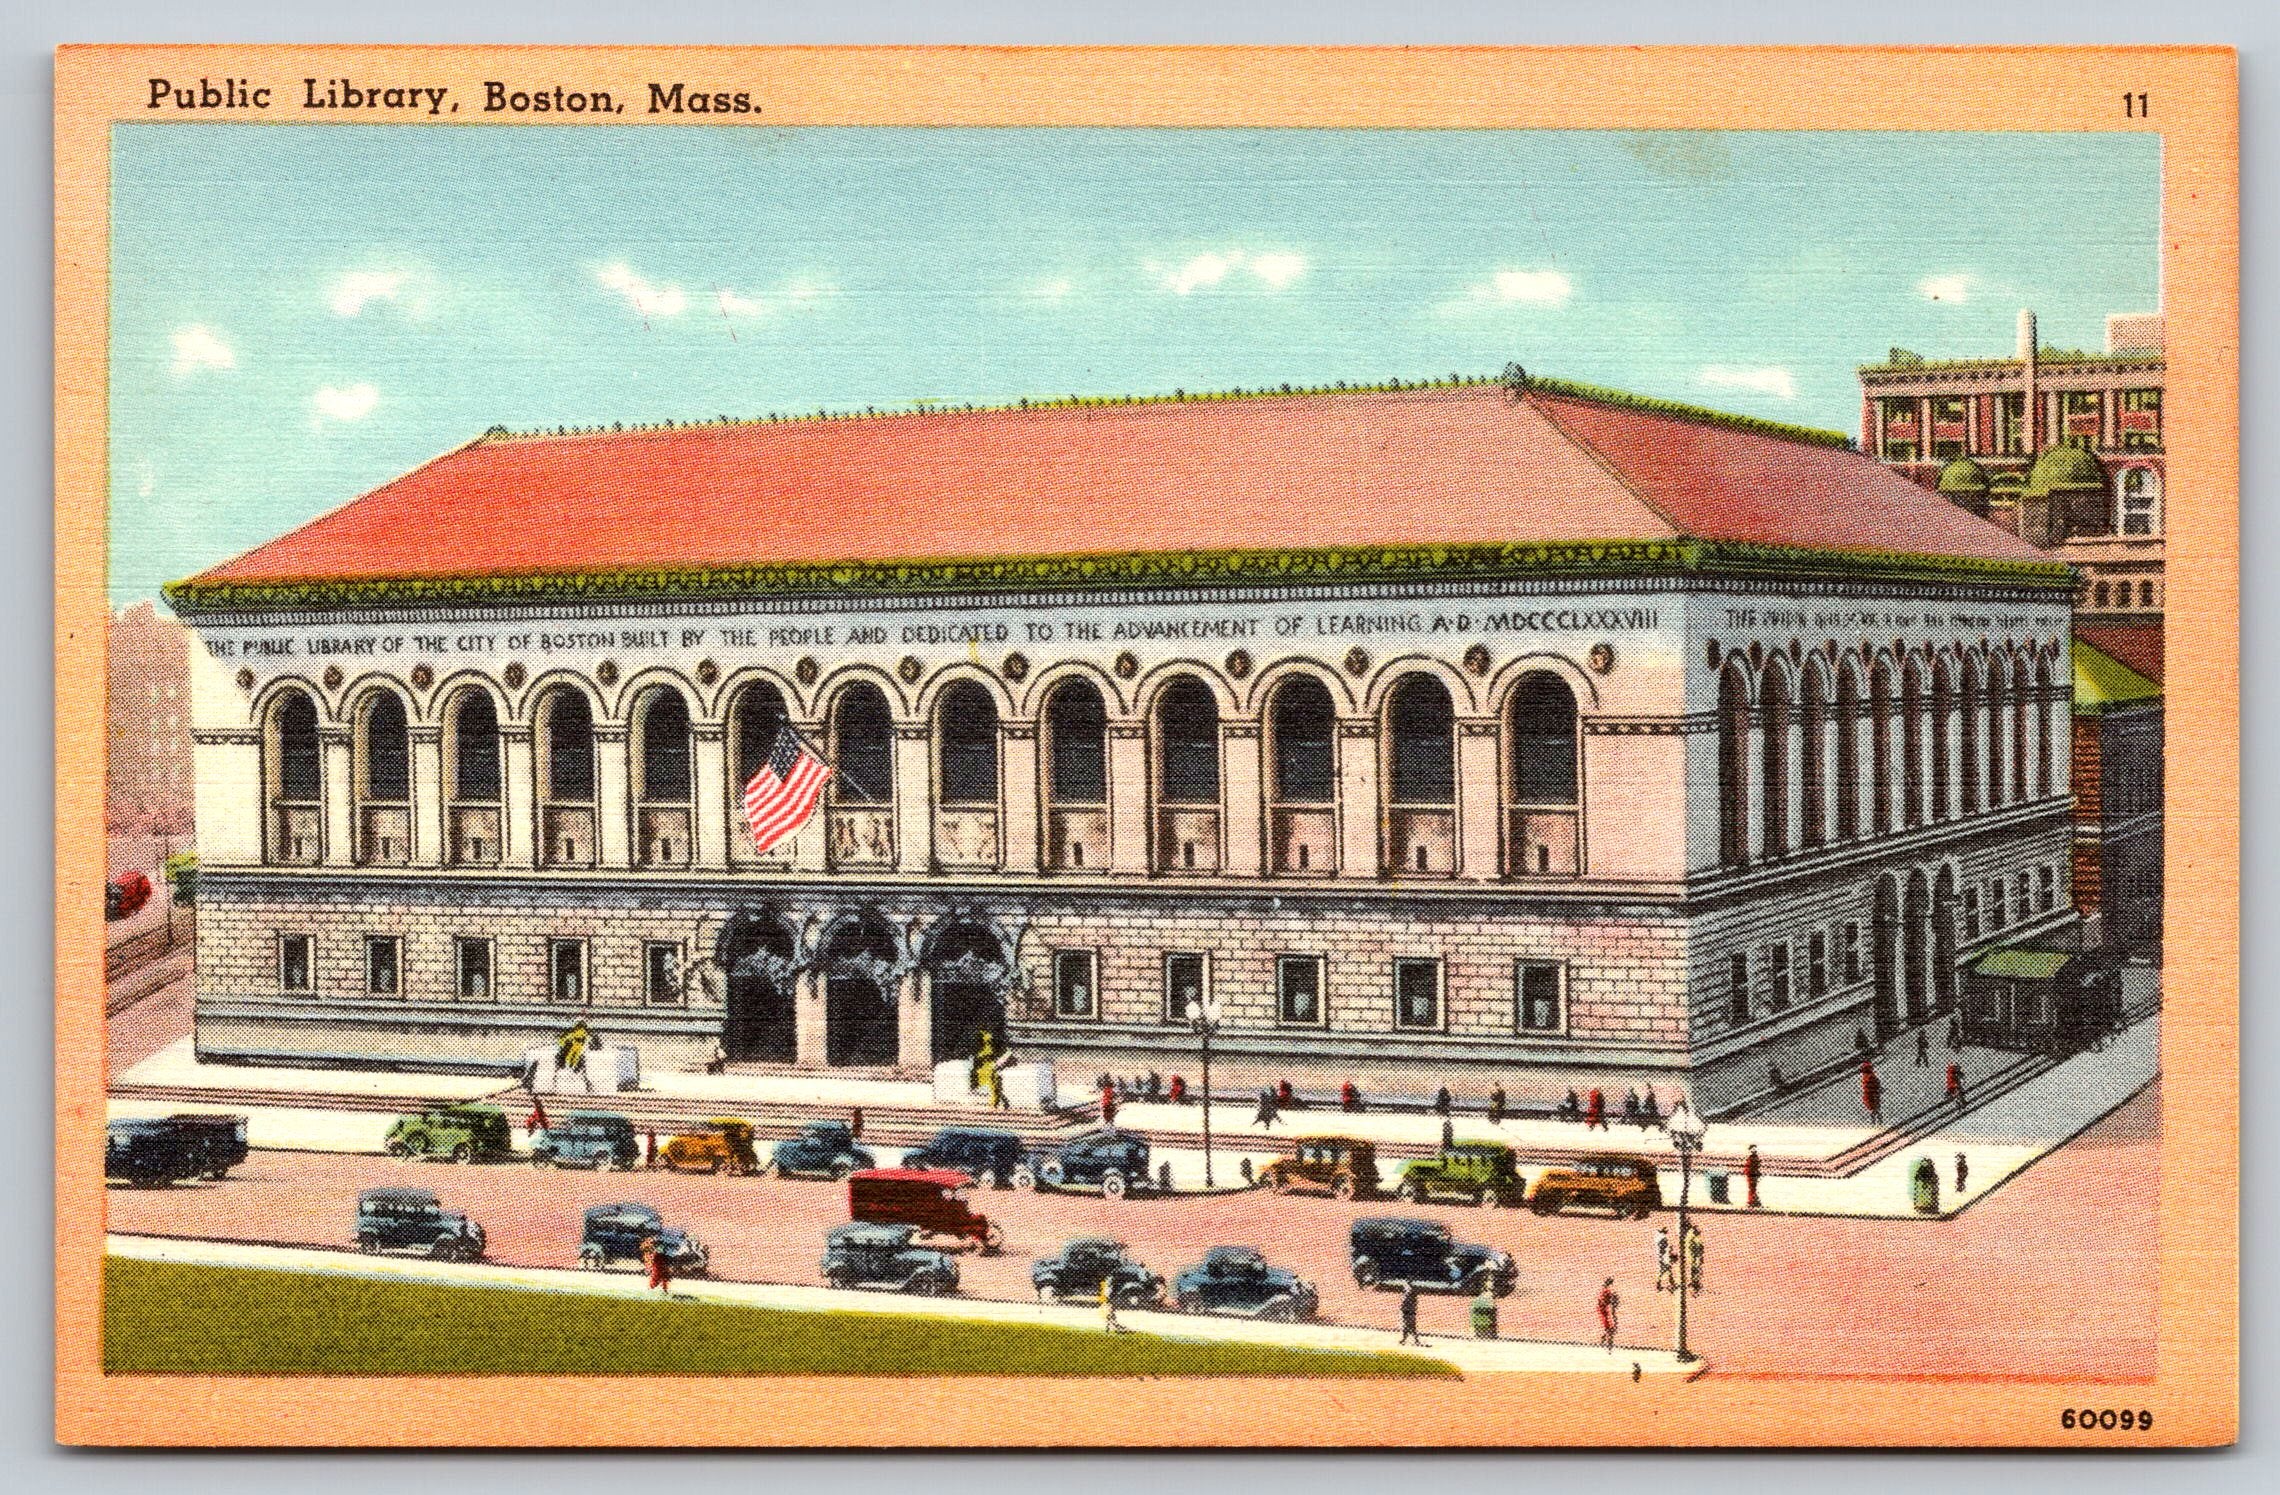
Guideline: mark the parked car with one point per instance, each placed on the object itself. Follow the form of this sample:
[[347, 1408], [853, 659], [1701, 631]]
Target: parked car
[[822, 1149], [218, 1141], [463, 1133], [721, 1144], [1082, 1266], [149, 1153], [614, 1233], [1342, 1167], [1482, 1173], [886, 1256], [1397, 1252], [1626, 1185], [1237, 1280], [587, 1139], [931, 1200], [1114, 1162], [989, 1155], [412, 1220]]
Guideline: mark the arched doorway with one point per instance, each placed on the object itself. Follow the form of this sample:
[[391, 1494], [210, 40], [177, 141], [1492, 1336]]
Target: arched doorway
[[1943, 941], [1918, 960], [757, 1024], [969, 967], [1884, 941], [859, 959]]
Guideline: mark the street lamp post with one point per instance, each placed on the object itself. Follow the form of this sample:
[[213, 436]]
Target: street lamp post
[[1685, 1129], [1203, 1017]]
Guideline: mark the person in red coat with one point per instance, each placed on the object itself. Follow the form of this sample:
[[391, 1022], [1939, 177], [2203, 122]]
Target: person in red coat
[[1871, 1092], [1108, 1105], [1350, 1096], [1750, 1168], [1176, 1091], [1609, 1303], [660, 1267], [1595, 1115], [1955, 1087]]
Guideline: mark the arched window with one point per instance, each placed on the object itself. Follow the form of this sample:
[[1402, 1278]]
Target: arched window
[[1915, 773], [966, 737], [1302, 776], [383, 781], [2022, 700], [1998, 726], [862, 747], [1815, 714], [1972, 726], [1880, 773], [1540, 783], [1848, 754], [1421, 777], [295, 772], [662, 791], [756, 714], [2098, 595], [1187, 776], [2141, 501], [475, 787], [565, 735], [1943, 723], [1076, 777], [1733, 768], [1773, 708]]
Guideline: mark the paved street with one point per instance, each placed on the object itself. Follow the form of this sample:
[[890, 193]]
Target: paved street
[[1985, 1293]]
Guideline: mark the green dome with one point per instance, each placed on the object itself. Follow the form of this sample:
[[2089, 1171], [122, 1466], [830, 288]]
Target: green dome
[[1962, 475], [2066, 469]]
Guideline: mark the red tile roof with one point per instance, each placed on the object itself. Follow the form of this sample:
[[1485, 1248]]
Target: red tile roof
[[1440, 465], [2136, 644]]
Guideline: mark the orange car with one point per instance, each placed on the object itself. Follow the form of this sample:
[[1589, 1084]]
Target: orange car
[[723, 1144]]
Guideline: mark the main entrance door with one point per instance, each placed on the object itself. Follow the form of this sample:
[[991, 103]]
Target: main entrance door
[[969, 966], [963, 1012], [757, 1021], [861, 1021]]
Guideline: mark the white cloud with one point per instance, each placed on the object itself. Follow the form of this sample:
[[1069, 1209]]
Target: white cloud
[[1051, 288], [1778, 382], [351, 292], [1953, 289], [196, 348], [1524, 288], [647, 300], [146, 479], [1273, 270], [349, 402]]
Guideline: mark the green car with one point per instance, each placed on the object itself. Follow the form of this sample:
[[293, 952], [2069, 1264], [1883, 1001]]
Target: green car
[[464, 1134], [1482, 1173]]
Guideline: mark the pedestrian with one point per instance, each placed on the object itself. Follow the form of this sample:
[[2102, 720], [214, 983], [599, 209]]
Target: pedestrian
[[1666, 1263], [1871, 1092], [1448, 1134], [1923, 1048], [1596, 1115], [717, 1062], [1107, 1105], [1955, 1034], [1496, 1105], [1571, 1109], [1155, 1091], [659, 1264], [1443, 1101], [1694, 1256], [1266, 1116], [1108, 1323], [1409, 1334], [855, 1122], [1286, 1099], [1350, 1096], [1650, 1109], [1609, 1305], [1962, 1173], [649, 1159], [994, 1082], [1861, 1044], [1773, 1080], [1955, 1087], [1750, 1170], [1631, 1106], [1176, 1092], [537, 1122]]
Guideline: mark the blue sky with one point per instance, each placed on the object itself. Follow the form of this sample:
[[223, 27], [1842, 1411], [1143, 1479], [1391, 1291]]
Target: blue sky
[[301, 312]]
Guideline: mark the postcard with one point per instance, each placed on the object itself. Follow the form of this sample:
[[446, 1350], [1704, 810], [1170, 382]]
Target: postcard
[[993, 747]]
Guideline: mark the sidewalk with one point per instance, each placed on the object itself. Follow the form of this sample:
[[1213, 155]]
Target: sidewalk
[[1470, 1356]]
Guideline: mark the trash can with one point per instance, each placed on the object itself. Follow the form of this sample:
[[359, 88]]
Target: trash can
[[1718, 1188], [1484, 1315], [1924, 1187]]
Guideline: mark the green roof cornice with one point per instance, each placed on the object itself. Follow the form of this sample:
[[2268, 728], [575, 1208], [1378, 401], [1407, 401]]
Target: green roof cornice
[[1227, 568]]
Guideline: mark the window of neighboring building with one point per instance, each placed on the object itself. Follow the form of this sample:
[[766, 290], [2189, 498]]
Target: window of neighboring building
[[566, 970], [1738, 988], [2145, 594], [296, 963], [1971, 913], [2141, 420], [1849, 939], [2078, 418], [2026, 895], [1075, 993], [2141, 501], [1817, 965], [383, 973], [1417, 993], [661, 971], [1541, 996], [2098, 594], [1187, 978], [1777, 975], [2011, 424], [471, 960], [1997, 914], [1298, 988]]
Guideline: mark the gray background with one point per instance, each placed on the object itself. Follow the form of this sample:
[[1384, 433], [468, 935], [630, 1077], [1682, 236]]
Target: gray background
[[27, 35]]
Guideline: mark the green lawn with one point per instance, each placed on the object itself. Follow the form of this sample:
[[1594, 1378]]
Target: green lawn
[[161, 1316]]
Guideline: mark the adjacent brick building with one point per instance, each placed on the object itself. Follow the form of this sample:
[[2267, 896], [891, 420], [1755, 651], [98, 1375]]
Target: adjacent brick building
[[1496, 727], [147, 768], [2117, 754]]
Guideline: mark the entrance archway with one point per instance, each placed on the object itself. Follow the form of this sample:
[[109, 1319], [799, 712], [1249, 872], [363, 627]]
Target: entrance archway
[[756, 950], [860, 958], [1884, 942], [969, 967], [1943, 942], [1918, 960]]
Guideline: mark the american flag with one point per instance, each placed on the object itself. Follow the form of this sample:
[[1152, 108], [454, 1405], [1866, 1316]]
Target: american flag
[[783, 793]]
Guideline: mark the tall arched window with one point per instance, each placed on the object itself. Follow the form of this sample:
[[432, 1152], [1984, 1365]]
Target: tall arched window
[[1076, 777], [1973, 724], [1421, 776], [966, 769], [1815, 714], [1773, 709], [755, 716], [2023, 705], [2141, 501], [294, 770], [862, 747], [1302, 776], [474, 790], [1880, 774], [663, 792], [1943, 726], [2046, 726], [1186, 733], [1541, 798], [1915, 773], [383, 781], [1848, 753], [1733, 768], [1998, 713], [564, 731]]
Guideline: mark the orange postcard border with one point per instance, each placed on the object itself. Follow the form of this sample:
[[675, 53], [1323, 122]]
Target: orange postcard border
[[2195, 109]]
